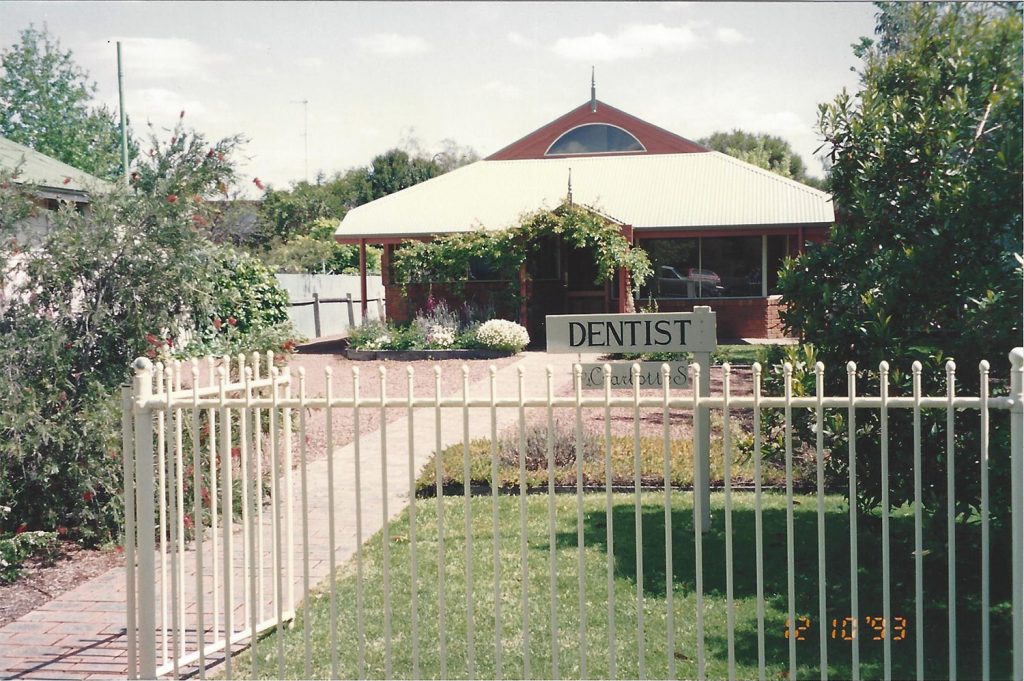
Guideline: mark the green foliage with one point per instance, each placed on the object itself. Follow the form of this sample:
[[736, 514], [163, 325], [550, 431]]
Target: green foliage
[[286, 215], [318, 253], [924, 262], [563, 439], [17, 547], [101, 288], [46, 103], [249, 311], [448, 259], [762, 150]]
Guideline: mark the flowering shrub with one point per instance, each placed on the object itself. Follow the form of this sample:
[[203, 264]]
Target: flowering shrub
[[16, 548], [440, 332], [438, 325], [442, 337], [501, 334]]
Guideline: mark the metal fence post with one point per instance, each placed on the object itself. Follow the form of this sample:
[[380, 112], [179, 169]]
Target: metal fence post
[[703, 454], [1017, 504], [702, 462], [316, 314], [130, 537], [142, 389], [351, 311]]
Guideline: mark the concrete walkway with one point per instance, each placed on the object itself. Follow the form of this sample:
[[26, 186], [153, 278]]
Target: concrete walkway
[[81, 634]]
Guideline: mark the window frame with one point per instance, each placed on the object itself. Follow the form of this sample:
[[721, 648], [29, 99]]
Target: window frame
[[641, 150]]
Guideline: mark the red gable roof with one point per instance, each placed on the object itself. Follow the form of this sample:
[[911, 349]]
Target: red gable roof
[[654, 139]]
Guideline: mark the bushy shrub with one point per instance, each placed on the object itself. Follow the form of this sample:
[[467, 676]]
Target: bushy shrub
[[501, 334], [563, 445], [96, 290], [317, 252], [439, 326], [15, 549], [248, 311]]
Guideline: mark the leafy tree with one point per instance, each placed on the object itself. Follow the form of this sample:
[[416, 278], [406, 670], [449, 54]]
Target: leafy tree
[[762, 150], [318, 253], [924, 261], [101, 288], [292, 234], [395, 170], [46, 103]]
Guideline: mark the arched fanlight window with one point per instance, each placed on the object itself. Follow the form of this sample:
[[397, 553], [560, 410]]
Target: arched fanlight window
[[594, 138]]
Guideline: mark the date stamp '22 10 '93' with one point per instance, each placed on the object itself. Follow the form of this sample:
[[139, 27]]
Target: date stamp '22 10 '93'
[[845, 628]]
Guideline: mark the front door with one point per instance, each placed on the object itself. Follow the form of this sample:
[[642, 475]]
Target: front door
[[582, 294]]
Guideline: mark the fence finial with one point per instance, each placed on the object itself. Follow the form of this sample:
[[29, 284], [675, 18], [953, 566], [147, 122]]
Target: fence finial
[[143, 383]]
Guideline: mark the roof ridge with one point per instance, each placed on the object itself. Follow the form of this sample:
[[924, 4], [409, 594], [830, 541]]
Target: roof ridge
[[767, 173]]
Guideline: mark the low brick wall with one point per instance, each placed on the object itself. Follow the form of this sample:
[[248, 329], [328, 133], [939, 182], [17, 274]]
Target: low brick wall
[[403, 303], [737, 317]]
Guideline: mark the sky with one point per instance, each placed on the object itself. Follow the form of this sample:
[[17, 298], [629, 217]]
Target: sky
[[379, 75]]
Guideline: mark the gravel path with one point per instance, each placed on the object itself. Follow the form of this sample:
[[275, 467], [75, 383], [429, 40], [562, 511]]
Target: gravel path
[[396, 384]]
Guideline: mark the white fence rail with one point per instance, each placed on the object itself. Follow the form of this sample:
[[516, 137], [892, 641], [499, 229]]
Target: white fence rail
[[222, 545]]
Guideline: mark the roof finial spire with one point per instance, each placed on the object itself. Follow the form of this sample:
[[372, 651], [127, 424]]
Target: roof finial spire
[[570, 186], [593, 92]]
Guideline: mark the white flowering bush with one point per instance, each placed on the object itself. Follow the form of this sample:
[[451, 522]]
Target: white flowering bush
[[380, 342], [501, 334], [440, 336]]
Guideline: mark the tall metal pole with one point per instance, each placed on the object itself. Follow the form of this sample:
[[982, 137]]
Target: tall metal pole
[[124, 127]]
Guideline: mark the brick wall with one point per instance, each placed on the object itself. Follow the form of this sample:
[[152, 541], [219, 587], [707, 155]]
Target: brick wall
[[737, 317], [402, 305]]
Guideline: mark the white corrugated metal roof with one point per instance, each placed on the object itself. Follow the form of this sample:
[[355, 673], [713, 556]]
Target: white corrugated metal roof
[[658, 191], [46, 172]]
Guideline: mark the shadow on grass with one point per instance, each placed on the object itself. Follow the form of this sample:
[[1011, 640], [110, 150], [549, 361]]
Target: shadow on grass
[[902, 627]]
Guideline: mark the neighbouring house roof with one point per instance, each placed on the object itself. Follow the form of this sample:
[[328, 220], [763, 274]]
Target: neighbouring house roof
[[52, 179], [696, 190]]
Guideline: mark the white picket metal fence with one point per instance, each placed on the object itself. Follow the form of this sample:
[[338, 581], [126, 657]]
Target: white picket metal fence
[[219, 489]]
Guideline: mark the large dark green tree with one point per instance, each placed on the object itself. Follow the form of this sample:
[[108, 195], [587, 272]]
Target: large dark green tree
[[46, 103], [924, 262]]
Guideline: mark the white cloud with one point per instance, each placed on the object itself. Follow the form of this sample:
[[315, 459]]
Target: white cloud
[[159, 59], [632, 42], [520, 40], [310, 63], [159, 103], [502, 90], [730, 36], [393, 44]]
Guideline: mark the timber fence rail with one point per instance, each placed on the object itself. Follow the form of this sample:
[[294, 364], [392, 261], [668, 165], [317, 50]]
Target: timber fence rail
[[316, 301], [223, 500]]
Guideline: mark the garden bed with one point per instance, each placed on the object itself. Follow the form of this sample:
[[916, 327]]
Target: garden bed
[[417, 355]]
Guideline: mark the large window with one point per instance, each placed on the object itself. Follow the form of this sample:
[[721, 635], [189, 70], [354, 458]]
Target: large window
[[713, 267], [594, 138]]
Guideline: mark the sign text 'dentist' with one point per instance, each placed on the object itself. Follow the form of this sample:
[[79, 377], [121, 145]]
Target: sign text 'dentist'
[[654, 332]]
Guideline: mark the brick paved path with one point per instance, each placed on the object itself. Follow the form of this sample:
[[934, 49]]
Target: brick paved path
[[81, 634]]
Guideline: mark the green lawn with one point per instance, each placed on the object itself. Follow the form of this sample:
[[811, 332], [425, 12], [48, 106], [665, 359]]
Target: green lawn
[[627, 649]]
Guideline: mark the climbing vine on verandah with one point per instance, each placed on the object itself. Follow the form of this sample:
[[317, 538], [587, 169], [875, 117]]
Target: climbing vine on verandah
[[448, 258]]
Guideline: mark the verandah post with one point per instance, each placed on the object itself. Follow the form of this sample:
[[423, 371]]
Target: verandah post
[[362, 280], [142, 389]]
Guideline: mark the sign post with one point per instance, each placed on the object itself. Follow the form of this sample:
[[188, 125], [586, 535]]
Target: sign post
[[693, 332]]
